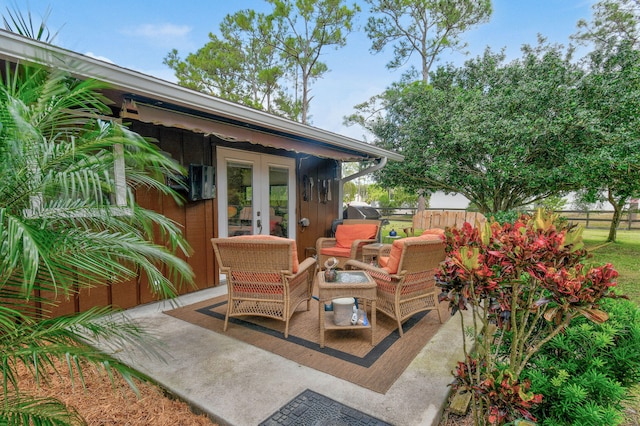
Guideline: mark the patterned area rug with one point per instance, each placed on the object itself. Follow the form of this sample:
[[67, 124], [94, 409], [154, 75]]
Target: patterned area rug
[[348, 354]]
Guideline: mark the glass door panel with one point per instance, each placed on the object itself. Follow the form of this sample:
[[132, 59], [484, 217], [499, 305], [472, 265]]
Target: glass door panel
[[239, 199], [278, 201], [255, 194]]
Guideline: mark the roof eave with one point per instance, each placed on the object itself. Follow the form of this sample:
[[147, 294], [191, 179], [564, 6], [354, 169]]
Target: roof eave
[[19, 47]]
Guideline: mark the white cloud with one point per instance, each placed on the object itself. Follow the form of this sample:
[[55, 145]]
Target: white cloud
[[164, 35], [101, 58]]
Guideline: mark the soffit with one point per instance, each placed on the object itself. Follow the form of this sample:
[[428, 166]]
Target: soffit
[[230, 132]]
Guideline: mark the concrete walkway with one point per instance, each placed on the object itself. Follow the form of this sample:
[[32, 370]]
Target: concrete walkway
[[241, 385]]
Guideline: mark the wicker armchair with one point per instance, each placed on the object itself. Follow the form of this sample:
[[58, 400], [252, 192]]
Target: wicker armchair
[[407, 285], [263, 276], [351, 248]]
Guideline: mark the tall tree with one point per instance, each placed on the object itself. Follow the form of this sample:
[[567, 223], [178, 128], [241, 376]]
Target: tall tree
[[499, 134], [241, 65], [610, 170], [269, 61], [422, 27], [310, 27], [612, 91]]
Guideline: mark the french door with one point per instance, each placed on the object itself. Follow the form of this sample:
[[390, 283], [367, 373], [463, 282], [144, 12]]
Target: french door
[[256, 194]]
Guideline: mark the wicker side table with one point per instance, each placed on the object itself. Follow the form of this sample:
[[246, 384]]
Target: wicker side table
[[370, 252], [349, 284]]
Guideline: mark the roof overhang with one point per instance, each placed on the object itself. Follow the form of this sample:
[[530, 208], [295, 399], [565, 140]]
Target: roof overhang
[[191, 109]]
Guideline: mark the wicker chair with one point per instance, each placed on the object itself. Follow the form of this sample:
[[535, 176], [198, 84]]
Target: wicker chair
[[327, 247], [263, 276], [410, 289]]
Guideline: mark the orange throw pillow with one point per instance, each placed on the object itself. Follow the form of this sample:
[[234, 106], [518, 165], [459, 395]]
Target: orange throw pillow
[[347, 234], [294, 255], [398, 245], [395, 253]]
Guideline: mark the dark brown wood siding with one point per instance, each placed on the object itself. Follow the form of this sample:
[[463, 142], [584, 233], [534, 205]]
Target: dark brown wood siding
[[320, 213], [198, 219]]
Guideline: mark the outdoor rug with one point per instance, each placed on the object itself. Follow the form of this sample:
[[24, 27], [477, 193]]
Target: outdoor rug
[[348, 354]]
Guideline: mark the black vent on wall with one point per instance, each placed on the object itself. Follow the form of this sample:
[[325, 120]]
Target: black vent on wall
[[202, 185]]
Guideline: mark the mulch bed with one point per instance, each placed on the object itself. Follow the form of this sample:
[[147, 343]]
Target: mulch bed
[[102, 403]]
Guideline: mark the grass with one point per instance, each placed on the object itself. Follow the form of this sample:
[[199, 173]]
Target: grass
[[623, 254]]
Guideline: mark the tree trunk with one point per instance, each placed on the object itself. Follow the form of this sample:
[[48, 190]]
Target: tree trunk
[[617, 215], [422, 203], [305, 97]]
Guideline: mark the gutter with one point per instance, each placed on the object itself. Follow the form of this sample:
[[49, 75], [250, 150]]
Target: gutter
[[369, 170], [381, 163]]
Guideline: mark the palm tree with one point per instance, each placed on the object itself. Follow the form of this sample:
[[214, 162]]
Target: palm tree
[[68, 221]]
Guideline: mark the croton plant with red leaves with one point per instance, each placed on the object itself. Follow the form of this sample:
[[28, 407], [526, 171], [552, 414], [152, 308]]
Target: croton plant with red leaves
[[526, 281]]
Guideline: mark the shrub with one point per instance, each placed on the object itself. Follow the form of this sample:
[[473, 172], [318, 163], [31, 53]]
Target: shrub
[[524, 283], [508, 216], [584, 374]]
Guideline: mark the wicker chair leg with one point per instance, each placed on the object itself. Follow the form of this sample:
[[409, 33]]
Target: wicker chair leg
[[286, 329], [228, 314], [400, 327], [226, 321], [397, 314]]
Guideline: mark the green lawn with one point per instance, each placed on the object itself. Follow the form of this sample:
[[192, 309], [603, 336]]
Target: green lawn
[[624, 254]]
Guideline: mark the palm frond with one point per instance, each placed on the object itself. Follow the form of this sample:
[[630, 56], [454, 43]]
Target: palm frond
[[78, 341], [25, 410], [18, 23], [60, 232]]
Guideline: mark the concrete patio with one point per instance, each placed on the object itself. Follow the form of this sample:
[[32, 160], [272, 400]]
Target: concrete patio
[[241, 385]]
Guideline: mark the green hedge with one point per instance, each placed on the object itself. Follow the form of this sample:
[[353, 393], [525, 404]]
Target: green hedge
[[585, 373]]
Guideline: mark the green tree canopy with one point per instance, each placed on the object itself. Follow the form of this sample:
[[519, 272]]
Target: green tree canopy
[[611, 168], [498, 133], [613, 20], [269, 61], [241, 65], [309, 28], [422, 27], [391, 197]]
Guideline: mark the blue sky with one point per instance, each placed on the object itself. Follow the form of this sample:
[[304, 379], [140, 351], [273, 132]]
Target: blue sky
[[138, 34]]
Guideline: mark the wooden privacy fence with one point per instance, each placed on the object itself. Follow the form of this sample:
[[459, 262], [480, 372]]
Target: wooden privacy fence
[[442, 218]]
